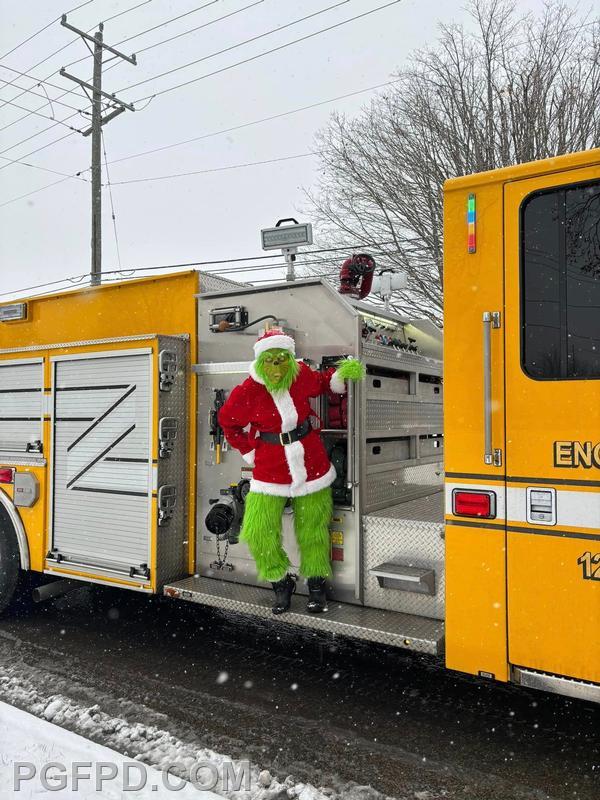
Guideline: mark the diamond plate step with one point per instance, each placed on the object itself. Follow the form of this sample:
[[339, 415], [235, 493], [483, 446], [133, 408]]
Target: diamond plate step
[[371, 624]]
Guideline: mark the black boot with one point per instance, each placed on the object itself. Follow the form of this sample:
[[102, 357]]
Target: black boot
[[284, 589], [317, 599]]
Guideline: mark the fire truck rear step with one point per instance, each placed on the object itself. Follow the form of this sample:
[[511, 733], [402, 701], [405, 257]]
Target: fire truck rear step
[[394, 628]]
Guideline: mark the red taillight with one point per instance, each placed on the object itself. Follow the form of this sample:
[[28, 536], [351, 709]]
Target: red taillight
[[473, 504], [7, 475]]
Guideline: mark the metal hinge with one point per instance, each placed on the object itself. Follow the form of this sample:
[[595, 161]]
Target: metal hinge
[[495, 317], [495, 458]]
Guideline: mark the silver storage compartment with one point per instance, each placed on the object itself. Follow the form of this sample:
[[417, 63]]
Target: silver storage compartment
[[387, 451], [404, 551]]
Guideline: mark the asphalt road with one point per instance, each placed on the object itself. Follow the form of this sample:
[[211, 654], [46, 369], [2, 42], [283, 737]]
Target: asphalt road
[[327, 712]]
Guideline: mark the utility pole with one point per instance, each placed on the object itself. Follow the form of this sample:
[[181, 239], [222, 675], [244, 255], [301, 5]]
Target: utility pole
[[116, 107]]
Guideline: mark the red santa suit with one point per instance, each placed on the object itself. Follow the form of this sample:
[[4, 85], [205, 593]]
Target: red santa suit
[[286, 470]]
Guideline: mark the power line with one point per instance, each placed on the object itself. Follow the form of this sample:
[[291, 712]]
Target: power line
[[268, 52], [199, 27], [35, 191], [60, 49], [77, 176], [37, 81], [41, 30], [50, 100], [236, 127], [153, 28], [239, 44], [255, 122], [76, 278], [213, 169], [44, 116]]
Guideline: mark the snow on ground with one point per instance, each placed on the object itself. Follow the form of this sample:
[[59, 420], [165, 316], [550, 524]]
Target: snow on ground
[[46, 740], [27, 744]]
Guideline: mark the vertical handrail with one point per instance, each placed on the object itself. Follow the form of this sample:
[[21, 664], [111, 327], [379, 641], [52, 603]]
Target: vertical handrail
[[488, 455], [350, 437], [491, 319]]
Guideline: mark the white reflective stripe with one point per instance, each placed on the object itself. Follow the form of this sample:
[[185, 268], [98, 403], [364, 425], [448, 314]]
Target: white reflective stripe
[[573, 508], [497, 489]]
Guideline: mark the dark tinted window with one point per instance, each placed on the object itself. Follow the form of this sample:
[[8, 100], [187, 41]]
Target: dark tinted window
[[560, 264]]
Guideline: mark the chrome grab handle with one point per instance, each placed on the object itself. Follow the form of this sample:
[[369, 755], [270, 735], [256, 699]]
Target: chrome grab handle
[[350, 436], [491, 319]]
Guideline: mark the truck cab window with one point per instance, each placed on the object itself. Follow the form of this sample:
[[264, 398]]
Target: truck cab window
[[560, 280]]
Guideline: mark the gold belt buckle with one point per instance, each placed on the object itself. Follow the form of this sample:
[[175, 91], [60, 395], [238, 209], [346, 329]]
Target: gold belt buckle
[[281, 439]]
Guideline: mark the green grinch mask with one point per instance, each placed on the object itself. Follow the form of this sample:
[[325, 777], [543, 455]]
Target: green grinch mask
[[277, 368]]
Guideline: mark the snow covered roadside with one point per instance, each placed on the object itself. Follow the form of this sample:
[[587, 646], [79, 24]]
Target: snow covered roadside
[[28, 744], [145, 744]]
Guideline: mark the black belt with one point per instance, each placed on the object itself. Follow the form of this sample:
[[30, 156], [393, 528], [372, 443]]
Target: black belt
[[290, 437]]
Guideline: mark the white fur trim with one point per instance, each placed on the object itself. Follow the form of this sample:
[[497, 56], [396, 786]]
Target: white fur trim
[[254, 374], [294, 455], [280, 341], [288, 490], [287, 410], [249, 457], [337, 384]]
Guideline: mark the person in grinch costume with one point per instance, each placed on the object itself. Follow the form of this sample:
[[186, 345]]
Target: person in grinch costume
[[289, 461]]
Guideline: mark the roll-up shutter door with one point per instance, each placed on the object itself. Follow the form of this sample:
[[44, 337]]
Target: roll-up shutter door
[[102, 461], [21, 399]]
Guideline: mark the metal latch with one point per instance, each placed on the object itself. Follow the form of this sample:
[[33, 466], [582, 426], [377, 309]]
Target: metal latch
[[167, 500], [167, 366], [541, 506], [167, 435]]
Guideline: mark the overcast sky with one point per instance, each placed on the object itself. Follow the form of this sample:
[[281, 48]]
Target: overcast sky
[[46, 236]]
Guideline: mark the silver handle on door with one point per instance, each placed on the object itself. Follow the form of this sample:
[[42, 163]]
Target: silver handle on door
[[491, 319], [350, 437]]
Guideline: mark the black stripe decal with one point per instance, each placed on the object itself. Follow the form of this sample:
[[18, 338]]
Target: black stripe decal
[[554, 532], [100, 457], [474, 524], [128, 460], [517, 529], [74, 419], [519, 479], [20, 419], [474, 475], [90, 388], [99, 419], [109, 491], [561, 481], [14, 391]]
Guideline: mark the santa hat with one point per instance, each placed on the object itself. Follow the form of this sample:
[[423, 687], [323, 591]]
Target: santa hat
[[274, 338]]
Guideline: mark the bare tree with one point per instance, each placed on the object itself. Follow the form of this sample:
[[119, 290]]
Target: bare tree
[[514, 89]]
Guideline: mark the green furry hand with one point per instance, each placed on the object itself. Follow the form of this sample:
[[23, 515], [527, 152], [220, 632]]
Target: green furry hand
[[351, 369]]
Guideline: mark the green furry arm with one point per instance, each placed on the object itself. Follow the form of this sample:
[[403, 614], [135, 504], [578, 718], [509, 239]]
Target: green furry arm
[[351, 369]]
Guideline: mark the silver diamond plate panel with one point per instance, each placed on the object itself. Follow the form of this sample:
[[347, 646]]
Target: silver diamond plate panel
[[393, 486], [423, 509], [217, 283], [87, 342], [358, 622], [399, 357], [172, 539], [411, 534], [384, 415]]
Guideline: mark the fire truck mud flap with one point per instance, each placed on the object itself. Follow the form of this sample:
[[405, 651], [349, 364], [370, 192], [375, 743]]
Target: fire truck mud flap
[[393, 628]]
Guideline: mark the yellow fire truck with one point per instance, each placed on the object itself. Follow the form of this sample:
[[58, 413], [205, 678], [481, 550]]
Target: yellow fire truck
[[465, 526]]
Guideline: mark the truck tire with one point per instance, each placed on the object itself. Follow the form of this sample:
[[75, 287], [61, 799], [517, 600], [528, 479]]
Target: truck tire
[[10, 562]]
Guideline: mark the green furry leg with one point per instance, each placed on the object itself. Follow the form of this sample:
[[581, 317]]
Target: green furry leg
[[312, 514], [261, 531]]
